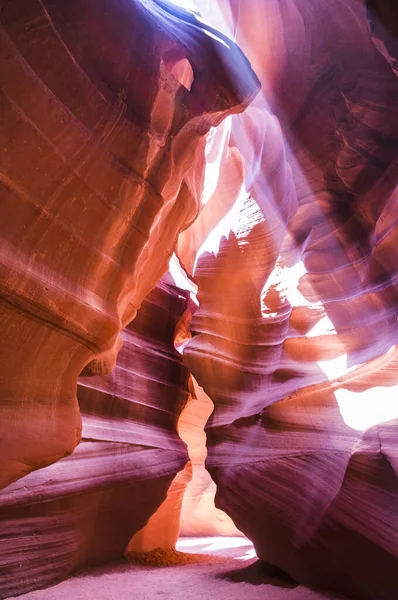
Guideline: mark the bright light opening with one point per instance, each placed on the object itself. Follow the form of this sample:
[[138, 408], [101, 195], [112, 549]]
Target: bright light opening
[[187, 4], [181, 279], [225, 226], [214, 155], [359, 410], [239, 548]]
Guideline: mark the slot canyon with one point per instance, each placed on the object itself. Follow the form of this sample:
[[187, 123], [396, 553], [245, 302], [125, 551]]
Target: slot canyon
[[199, 299]]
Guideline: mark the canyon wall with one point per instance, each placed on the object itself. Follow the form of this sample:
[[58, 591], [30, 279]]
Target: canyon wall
[[84, 509], [199, 516], [286, 217], [105, 105], [295, 258]]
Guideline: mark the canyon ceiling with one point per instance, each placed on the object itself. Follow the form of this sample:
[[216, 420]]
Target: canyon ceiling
[[199, 245]]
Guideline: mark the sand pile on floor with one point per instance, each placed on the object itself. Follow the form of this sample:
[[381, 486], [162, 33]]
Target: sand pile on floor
[[169, 557]]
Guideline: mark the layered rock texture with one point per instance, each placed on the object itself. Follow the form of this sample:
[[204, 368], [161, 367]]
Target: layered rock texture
[[199, 515], [85, 508], [104, 105], [123, 139], [294, 338], [104, 109]]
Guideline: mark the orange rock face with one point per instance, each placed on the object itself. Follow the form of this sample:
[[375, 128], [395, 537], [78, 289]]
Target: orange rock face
[[104, 109], [294, 339], [87, 507], [199, 515], [98, 136], [131, 129]]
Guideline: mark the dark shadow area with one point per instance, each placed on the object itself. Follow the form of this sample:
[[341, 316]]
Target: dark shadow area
[[260, 573], [120, 565]]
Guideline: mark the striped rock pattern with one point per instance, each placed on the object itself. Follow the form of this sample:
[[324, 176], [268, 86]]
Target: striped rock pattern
[[84, 509], [104, 105], [295, 336]]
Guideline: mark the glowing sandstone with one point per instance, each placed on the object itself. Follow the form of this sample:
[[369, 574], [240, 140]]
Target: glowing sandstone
[[199, 515], [84, 509], [294, 254], [98, 137], [296, 329], [104, 108]]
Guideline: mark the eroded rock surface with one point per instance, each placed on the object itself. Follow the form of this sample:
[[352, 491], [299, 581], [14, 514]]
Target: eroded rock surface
[[84, 509], [199, 515], [294, 255], [104, 109], [104, 105]]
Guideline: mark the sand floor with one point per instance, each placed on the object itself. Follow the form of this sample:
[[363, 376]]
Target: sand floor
[[227, 570]]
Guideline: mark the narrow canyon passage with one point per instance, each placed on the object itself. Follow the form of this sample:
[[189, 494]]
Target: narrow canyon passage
[[219, 569], [199, 299]]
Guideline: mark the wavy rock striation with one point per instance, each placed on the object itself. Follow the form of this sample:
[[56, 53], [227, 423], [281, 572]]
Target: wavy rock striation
[[294, 255], [104, 104], [199, 515], [84, 509], [104, 109]]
